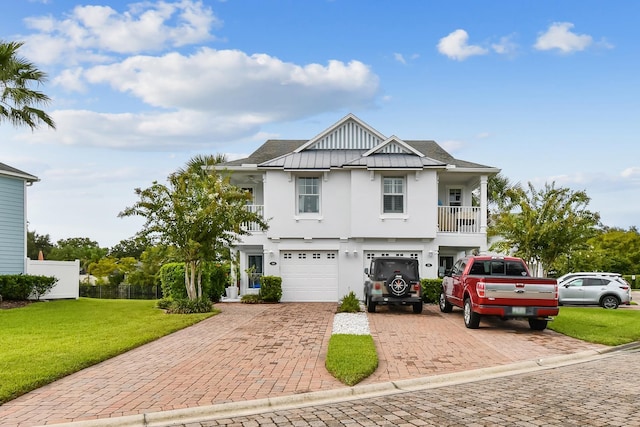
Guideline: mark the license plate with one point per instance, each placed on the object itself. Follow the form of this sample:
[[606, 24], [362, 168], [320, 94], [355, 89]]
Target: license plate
[[519, 310]]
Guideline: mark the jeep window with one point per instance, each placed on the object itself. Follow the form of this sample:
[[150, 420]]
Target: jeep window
[[393, 194], [308, 195], [389, 268]]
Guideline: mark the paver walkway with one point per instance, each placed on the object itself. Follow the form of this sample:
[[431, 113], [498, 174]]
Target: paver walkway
[[256, 351]]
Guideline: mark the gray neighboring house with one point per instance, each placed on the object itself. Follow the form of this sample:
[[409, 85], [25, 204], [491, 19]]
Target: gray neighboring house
[[13, 219]]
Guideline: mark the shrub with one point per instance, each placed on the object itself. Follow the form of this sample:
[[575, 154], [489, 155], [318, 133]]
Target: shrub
[[187, 306], [19, 287], [431, 290], [164, 303], [214, 278], [42, 285], [251, 299], [271, 289], [172, 280], [349, 304]]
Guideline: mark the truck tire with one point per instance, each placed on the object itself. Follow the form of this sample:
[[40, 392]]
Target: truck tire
[[471, 319], [445, 306], [537, 324], [417, 307], [371, 306]]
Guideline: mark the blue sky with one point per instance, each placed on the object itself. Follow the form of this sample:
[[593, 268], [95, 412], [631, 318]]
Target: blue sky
[[547, 91]]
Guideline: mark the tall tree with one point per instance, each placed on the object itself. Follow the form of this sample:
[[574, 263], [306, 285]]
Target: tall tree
[[199, 212], [80, 248], [18, 100], [542, 226], [36, 243]]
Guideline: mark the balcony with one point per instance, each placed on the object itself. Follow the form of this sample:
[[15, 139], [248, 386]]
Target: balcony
[[458, 219], [253, 226]]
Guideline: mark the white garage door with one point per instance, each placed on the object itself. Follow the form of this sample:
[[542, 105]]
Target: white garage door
[[309, 275], [369, 255]]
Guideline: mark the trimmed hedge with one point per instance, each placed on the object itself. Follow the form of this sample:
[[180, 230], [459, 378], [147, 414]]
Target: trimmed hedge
[[431, 290], [19, 287], [271, 288]]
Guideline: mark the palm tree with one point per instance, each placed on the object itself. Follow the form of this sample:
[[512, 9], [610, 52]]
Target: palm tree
[[17, 99]]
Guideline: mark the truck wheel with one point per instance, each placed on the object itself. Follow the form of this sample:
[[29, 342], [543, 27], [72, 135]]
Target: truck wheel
[[609, 301], [371, 306], [538, 324], [417, 307], [445, 306], [471, 319]]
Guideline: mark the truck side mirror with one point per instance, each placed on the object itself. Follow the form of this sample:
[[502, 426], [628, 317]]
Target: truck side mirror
[[366, 271], [447, 272]]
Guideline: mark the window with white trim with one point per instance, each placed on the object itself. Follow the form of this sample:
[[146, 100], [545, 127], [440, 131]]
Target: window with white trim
[[308, 190], [455, 197], [393, 194]]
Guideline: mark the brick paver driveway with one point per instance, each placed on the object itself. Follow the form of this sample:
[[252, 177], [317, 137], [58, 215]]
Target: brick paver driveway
[[256, 351]]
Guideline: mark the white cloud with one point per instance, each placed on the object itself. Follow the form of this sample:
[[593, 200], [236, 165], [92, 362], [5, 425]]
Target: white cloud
[[506, 46], [631, 173], [144, 131], [455, 46], [559, 36], [230, 82], [90, 31], [400, 58]]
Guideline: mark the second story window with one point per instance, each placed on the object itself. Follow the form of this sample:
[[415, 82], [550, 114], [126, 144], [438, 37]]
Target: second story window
[[393, 194], [308, 195]]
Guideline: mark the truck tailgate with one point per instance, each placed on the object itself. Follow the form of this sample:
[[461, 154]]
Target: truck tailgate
[[524, 291]]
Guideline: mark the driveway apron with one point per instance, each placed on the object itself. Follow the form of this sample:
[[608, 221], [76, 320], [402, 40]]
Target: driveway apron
[[257, 351]]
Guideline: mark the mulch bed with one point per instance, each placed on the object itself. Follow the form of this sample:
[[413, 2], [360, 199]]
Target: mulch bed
[[5, 305]]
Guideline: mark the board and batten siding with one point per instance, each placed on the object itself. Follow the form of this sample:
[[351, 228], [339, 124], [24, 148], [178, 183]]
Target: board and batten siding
[[12, 225]]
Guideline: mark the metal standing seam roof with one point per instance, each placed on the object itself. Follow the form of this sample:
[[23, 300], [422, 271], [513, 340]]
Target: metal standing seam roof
[[280, 154], [13, 172]]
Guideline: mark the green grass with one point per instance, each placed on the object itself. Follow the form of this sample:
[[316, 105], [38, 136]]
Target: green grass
[[351, 358], [45, 341], [597, 325]]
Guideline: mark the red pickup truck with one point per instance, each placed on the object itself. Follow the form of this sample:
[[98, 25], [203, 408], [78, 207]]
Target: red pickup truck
[[498, 286]]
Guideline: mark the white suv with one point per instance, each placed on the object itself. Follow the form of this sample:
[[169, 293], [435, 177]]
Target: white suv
[[569, 276], [605, 291]]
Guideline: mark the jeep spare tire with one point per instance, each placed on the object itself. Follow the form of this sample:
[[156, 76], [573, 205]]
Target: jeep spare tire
[[398, 285]]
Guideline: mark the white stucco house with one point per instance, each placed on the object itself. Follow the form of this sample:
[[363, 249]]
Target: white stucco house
[[349, 194]]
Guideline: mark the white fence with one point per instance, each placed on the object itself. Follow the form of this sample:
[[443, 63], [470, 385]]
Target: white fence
[[67, 273]]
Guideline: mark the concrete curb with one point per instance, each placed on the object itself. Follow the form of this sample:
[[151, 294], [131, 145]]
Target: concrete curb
[[235, 409]]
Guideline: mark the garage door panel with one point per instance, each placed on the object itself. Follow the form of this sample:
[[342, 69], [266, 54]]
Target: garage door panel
[[309, 275]]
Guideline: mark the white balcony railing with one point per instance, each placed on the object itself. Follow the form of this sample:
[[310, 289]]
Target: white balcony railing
[[451, 219], [253, 226], [459, 219]]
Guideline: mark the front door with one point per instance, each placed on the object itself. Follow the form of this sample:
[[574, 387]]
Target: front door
[[254, 270]]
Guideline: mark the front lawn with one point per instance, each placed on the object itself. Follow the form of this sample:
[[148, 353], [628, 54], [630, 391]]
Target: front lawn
[[598, 325], [45, 341]]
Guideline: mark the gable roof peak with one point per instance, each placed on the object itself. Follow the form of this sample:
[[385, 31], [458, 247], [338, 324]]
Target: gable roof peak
[[393, 145], [349, 133]]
